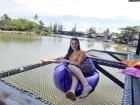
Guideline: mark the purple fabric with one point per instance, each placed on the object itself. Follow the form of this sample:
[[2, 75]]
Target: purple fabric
[[131, 71], [63, 80]]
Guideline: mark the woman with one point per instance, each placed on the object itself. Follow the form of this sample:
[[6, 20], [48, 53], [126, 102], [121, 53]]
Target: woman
[[76, 58]]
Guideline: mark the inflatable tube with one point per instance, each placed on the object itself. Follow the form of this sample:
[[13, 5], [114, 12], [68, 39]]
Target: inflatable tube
[[63, 80]]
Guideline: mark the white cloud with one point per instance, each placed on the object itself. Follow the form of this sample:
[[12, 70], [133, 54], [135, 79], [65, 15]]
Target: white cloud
[[84, 8], [12, 7], [109, 13]]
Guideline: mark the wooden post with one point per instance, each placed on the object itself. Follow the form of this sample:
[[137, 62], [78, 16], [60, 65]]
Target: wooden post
[[138, 46]]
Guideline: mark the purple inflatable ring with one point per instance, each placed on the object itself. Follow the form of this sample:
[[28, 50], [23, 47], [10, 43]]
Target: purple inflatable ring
[[63, 80]]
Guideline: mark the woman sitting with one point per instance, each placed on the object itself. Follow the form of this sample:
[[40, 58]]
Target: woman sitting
[[77, 66]]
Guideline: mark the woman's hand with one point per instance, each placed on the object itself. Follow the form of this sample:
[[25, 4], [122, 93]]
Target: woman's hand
[[43, 60], [64, 61]]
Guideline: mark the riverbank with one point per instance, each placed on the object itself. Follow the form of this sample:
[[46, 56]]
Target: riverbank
[[37, 33], [114, 40], [103, 38], [18, 32]]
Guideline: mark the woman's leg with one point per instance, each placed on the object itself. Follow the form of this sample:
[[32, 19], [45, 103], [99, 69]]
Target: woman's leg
[[71, 93], [74, 84], [79, 75]]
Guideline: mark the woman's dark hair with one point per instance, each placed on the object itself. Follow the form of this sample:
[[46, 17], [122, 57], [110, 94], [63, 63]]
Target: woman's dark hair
[[70, 50], [2, 103]]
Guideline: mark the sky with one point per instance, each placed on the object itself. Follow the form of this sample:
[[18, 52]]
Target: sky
[[101, 14]]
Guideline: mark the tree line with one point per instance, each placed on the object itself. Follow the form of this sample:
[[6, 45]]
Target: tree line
[[37, 26], [21, 24]]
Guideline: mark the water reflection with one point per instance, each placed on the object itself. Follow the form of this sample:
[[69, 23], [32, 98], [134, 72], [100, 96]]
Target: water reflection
[[18, 38], [107, 46], [120, 48], [89, 43]]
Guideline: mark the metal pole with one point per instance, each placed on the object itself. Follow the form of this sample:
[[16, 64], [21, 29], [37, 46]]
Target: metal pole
[[138, 46]]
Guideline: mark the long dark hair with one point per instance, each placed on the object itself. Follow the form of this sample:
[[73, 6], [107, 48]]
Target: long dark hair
[[70, 50], [2, 102]]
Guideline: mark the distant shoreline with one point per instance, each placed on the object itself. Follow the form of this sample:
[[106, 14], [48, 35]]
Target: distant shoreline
[[131, 44], [18, 32]]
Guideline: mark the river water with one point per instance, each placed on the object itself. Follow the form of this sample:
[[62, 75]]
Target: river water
[[20, 50]]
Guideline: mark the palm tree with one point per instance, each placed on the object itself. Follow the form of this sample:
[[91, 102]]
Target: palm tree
[[73, 30], [5, 17], [6, 22], [41, 24], [36, 17], [55, 28], [60, 28]]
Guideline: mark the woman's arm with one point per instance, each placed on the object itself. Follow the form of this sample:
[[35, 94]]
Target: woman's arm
[[49, 61]]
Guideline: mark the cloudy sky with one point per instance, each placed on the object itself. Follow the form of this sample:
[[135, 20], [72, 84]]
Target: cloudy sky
[[101, 14]]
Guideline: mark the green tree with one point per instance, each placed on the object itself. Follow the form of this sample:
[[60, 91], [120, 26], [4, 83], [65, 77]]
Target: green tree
[[51, 28], [35, 17], [91, 30], [5, 17], [106, 32], [41, 25], [24, 25], [60, 28], [6, 23], [55, 28], [48, 31], [74, 28], [129, 32]]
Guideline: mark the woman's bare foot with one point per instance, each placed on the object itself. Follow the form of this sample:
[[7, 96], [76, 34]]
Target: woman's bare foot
[[85, 92], [71, 95]]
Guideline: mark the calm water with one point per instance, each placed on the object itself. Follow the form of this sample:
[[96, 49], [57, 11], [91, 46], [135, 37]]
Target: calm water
[[19, 50]]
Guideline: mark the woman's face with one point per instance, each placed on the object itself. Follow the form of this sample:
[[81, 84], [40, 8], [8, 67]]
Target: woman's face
[[74, 44]]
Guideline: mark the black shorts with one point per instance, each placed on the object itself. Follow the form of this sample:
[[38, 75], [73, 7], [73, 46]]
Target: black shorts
[[86, 69]]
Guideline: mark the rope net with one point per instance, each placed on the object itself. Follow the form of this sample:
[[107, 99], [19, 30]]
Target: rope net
[[39, 81]]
